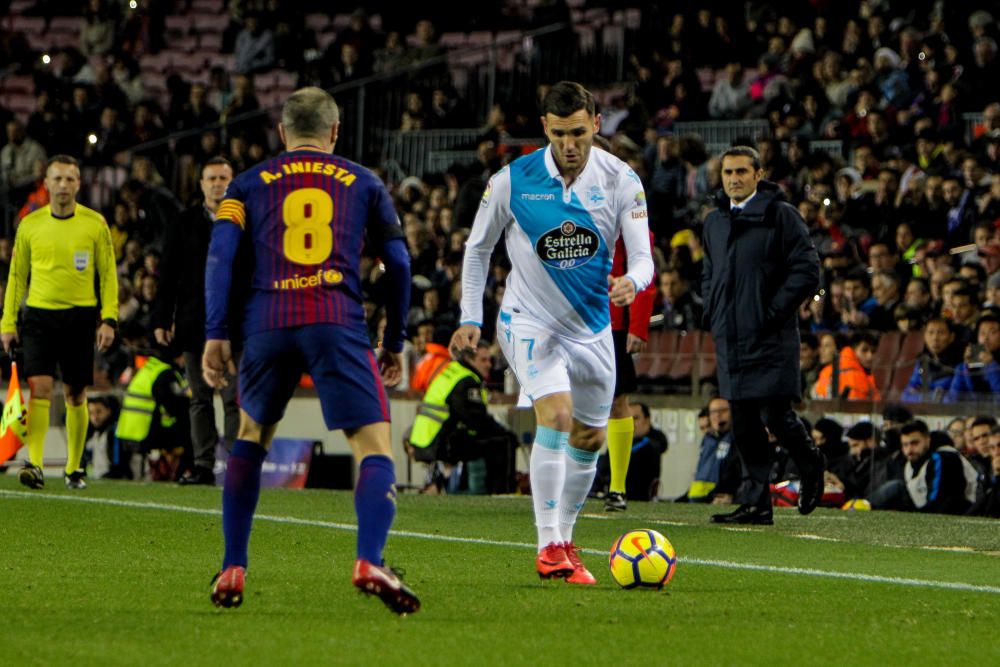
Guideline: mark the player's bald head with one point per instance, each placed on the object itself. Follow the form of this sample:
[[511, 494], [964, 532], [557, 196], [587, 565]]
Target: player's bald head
[[310, 112]]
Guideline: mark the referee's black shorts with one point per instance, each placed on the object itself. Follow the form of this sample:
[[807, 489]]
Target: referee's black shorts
[[625, 382], [63, 339]]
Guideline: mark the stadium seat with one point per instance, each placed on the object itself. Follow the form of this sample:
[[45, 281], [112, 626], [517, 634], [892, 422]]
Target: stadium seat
[[900, 378], [209, 23], [480, 38], [586, 36], [17, 84], [453, 40], [612, 37], [210, 41], [657, 361], [882, 374], [189, 62], [224, 60], [325, 39], [888, 347], [29, 25], [208, 6], [682, 369], [177, 24], [65, 24], [913, 345], [597, 16], [317, 22], [22, 104], [341, 21], [706, 358]]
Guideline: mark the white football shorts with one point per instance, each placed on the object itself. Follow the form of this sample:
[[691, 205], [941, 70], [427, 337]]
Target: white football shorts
[[546, 363]]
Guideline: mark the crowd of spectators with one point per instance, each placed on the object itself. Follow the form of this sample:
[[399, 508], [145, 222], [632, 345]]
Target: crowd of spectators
[[905, 218]]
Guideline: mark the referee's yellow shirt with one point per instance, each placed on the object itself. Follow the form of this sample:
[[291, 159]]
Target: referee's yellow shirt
[[61, 255]]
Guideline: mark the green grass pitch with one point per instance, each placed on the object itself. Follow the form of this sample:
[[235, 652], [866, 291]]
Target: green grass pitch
[[118, 575]]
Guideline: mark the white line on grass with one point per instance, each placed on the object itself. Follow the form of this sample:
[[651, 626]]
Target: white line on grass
[[729, 565]]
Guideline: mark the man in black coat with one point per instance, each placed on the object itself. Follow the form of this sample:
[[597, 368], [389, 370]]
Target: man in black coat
[[180, 316], [759, 267]]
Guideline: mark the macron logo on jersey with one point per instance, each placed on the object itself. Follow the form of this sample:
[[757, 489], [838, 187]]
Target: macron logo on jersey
[[531, 196]]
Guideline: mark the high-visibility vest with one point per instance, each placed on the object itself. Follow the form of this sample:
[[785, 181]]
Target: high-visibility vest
[[433, 411], [139, 406]]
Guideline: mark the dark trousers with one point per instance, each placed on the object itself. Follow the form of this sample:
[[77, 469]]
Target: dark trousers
[[750, 417], [204, 434]]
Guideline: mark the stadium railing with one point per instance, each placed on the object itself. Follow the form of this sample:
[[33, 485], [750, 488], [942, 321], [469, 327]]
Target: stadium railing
[[719, 135]]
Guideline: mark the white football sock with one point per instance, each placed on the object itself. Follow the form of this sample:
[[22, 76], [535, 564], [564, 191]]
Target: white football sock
[[547, 473], [581, 468]]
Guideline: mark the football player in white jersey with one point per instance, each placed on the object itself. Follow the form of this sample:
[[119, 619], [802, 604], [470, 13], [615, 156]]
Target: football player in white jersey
[[562, 208]]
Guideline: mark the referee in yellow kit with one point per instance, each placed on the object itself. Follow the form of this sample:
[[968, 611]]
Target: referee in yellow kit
[[60, 246]]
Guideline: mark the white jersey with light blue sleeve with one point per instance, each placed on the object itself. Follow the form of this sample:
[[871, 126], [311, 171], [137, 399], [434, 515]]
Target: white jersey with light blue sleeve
[[560, 241]]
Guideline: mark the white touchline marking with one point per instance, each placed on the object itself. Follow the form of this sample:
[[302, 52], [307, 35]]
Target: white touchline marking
[[707, 562], [600, 517], [821, 538]]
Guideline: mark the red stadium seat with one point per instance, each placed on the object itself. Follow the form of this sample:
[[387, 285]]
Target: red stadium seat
[[29, 25], [317, 22], [888, 347], [209, 23], [706, 358], [882, 374], [453, 40], [900, 378], [71, 24], [208, 6], [687, 349], [177, 24], [210, 41], [913, 345]]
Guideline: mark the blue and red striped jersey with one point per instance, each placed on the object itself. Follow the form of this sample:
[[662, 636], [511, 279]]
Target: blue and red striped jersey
[[308, 214]]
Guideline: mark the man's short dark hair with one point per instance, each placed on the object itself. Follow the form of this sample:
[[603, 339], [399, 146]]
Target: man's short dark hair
[[645, 409], [62, 158], [309, 112], [969, 291], [743, 151], [218, 159], [860, 275], [979, 269], [864, 336], [984, 420], [861, 431], [915, 426], [810, 340], [988, 317], [897, 413], [566, 98]]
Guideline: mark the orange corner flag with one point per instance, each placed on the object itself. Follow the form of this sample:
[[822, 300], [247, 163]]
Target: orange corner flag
[[14, 424]]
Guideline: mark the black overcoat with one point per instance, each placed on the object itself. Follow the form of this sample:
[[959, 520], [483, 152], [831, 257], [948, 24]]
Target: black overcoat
[[759, 267]]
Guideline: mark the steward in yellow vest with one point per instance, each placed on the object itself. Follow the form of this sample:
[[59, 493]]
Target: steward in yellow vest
[[154, 416], [454, 426]]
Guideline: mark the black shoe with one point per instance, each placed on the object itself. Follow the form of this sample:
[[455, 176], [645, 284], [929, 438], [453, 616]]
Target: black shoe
[[615, 502], [31, 476], [76, 480], [811, 486], [747, 514], [199, 476]]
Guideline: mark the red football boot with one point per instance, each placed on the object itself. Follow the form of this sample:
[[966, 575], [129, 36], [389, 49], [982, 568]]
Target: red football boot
[[227, 587], [553, 562], [581, 575], [374, 579]]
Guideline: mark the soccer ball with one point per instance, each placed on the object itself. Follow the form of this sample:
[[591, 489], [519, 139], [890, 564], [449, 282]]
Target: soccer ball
[[642, 559]]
